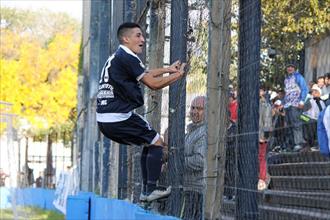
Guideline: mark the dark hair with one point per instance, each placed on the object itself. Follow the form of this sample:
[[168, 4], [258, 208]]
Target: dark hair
[[320, 77], [263, 87], [122, 29], [327, 75]]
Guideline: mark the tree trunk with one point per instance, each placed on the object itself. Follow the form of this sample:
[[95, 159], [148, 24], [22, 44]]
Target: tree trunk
[[156, 59], [91, 71], [114, 163], [25, 170], [49, 163], [103, 40], [134, 175], [217, 93]]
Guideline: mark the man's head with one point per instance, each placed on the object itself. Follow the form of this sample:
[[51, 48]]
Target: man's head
[[310, 84], [231, 97], [197, 109], [290, 68], [320, 81], [327, 79], [280, 94], [278, 104], [262, 91], [316, 91], [130, 35]]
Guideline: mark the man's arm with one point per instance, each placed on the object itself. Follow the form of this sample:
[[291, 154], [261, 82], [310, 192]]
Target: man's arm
[[303, 88], [154, 79]]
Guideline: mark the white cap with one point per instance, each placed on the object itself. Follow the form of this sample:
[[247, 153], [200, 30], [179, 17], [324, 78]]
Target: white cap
[[315, 87], [273, 95], [278, 102]]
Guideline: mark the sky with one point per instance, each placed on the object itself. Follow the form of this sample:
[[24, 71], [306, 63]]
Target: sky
[[72, 7]]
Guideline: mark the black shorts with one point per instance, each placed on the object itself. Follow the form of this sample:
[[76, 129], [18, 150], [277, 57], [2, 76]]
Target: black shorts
[[135, 130]]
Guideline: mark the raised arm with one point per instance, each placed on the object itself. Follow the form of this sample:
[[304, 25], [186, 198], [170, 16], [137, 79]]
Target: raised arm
[[154, 78]]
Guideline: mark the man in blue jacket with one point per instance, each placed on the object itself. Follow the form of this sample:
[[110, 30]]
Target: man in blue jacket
[[295, 94], [323, 131]]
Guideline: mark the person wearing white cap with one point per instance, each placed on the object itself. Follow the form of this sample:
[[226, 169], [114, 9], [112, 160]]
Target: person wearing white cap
[[310, 116], [317, 89]]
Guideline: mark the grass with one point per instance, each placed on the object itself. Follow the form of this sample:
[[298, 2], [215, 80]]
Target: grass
[[31, 213]]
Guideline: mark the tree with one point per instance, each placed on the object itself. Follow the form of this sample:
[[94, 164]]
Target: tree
[[217, 94], [41, 25], [40, 82], [156, 54], [39, 64], [286, 26]]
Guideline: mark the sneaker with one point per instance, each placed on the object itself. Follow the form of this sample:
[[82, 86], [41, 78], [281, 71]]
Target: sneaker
[[297, 148], [315, 149], [228, 198], [143, 197], [158, 194], [262, 185], [277, 149]]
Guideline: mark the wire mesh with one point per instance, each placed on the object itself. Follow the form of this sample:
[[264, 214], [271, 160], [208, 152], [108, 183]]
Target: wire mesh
[[271, 171], [293, 180], [267, 180]]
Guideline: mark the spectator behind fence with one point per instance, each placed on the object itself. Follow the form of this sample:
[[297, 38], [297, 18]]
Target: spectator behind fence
[[40, 180], [281, 95], [3, 177], [321, 84], [314, 105], [120, 94], [265, 127], [195, 161], [327, 82], [295, 94], [323, 131], [326, 95], [233, 105], [279, 134], [230, 164]]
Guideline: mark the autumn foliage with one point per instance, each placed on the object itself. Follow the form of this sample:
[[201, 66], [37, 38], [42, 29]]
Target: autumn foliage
[[39, 70]]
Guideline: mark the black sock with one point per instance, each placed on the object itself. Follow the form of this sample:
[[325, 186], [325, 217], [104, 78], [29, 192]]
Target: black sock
[[154, 165], [144, 169]]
